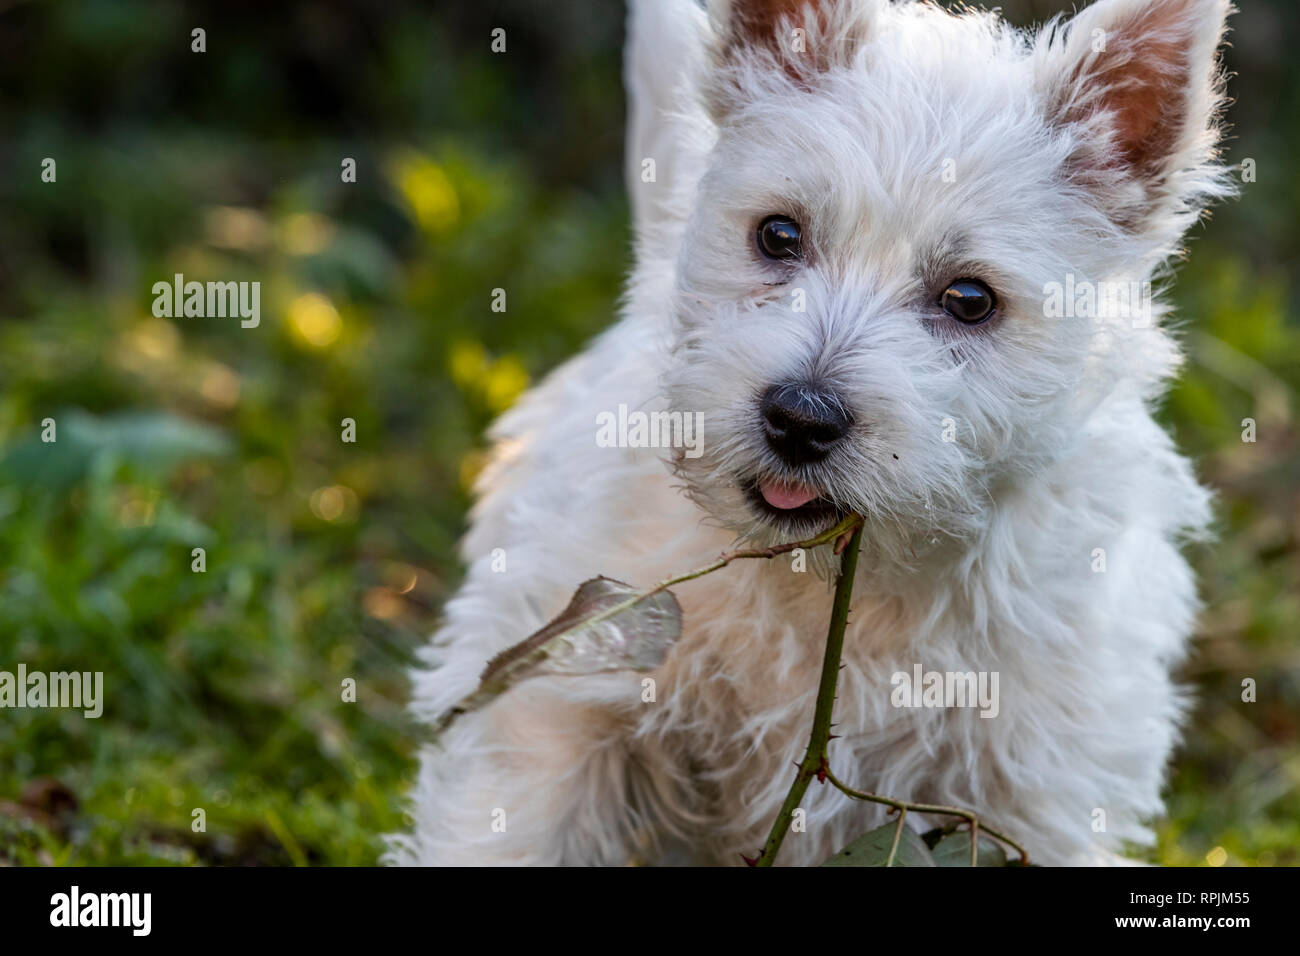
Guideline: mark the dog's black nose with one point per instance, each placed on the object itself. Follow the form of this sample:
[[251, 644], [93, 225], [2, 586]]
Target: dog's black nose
[[803, 422]]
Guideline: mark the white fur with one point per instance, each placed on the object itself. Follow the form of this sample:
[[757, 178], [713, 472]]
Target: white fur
[[978, 553]]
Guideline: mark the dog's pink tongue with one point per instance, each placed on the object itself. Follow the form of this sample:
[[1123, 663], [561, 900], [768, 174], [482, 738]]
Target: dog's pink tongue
[[786, 494]]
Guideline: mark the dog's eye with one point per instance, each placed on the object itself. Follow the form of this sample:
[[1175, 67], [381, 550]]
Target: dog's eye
[[778, 238], [969, 301]]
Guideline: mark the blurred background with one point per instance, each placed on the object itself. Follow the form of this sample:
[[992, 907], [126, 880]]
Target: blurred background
[[327, 560]]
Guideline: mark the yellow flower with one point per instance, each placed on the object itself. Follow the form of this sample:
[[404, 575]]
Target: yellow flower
[[314, 320], [427, 190]]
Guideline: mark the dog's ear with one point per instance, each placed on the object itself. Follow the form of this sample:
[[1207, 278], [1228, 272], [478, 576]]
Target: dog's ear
[[757, 43], [748, 23], [1141, 83]]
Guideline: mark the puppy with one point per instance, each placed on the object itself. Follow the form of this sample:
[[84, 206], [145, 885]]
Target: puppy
[[896, 261]]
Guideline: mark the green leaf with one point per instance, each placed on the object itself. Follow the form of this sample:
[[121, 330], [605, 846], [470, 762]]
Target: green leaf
[[149, 441], [954, 850], [872, 849]]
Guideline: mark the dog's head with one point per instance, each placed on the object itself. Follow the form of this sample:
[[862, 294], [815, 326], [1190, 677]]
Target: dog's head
[[880, 287]]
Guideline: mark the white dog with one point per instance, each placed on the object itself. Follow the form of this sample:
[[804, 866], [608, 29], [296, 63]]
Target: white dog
[[878, 251]]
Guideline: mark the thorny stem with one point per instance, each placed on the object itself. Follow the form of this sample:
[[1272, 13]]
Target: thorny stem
[[815, 764], [814, 760]]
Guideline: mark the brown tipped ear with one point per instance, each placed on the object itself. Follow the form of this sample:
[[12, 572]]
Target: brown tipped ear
[[750, 23], [794, 39], [1141, 78]]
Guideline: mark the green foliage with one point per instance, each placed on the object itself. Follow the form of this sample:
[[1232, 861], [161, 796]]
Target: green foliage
[[325, 560], [953, 849], [877, 848]]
